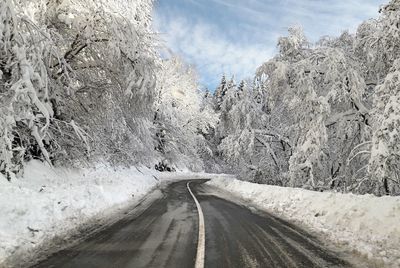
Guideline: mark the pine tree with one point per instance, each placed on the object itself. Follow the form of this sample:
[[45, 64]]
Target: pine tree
[[220, 93]]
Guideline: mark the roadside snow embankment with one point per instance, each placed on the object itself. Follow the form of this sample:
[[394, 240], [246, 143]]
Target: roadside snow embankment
[[48, 203], [366, 223]]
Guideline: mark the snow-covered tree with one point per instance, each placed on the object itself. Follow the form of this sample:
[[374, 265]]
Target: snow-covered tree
[[220, 93], [377, 42], [384, 166], [294, 46], [311, 111], [68, 70], [181, 118]]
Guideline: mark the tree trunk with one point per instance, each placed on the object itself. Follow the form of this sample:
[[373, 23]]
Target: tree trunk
[[386, 186]]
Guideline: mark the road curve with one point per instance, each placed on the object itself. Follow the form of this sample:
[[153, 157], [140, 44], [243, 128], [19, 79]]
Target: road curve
[[166, 235]]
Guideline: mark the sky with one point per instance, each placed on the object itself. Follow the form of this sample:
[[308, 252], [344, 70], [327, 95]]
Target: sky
[[234, 37]]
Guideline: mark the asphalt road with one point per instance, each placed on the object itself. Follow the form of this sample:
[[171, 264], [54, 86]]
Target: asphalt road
[[165, 234]]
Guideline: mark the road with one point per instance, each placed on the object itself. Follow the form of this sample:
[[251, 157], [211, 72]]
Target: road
[[166, 233]]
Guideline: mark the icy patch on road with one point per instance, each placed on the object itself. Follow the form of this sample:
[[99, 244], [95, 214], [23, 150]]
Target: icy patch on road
[[366, 223], [51, 202]]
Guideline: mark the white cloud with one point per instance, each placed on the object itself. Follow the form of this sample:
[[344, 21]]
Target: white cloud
[[318, 17], [213, 54]]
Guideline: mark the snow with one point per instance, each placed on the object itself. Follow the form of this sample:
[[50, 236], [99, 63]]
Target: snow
[[367, 224], [53, 202]]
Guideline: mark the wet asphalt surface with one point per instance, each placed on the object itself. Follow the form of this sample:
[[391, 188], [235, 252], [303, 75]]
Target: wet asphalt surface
[[165, 235]]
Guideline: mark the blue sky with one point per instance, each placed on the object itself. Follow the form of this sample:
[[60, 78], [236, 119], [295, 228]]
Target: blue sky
[[236, 36]]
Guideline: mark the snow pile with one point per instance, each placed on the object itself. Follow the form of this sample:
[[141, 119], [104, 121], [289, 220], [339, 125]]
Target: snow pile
[[365, 223], [48, 202]]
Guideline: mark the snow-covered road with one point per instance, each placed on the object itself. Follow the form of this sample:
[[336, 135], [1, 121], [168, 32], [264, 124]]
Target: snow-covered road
[[165, 233], [49, 208], [367, 225]]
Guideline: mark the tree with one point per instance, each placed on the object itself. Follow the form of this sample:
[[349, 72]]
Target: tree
[[66, 65], [385, 152], [220, 93], [311, 109], [181, 118], [294, 46]]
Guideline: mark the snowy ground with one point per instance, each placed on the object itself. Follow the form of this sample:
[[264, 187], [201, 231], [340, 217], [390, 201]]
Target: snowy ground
[[367, 224], [48, 206]]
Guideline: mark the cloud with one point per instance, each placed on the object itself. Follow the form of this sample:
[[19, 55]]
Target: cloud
[[318, 17], [211, 51]]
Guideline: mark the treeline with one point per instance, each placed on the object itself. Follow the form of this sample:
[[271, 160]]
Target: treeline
[[321, 116], [81, 82]]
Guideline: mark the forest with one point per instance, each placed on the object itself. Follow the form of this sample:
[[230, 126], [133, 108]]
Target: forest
[[82, 82]]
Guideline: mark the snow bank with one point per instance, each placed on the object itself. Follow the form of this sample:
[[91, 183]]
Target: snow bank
[[366, 223], [48, 202]]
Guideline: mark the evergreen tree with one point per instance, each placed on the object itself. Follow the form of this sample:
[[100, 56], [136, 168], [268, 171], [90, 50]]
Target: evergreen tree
[[220, 93]]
